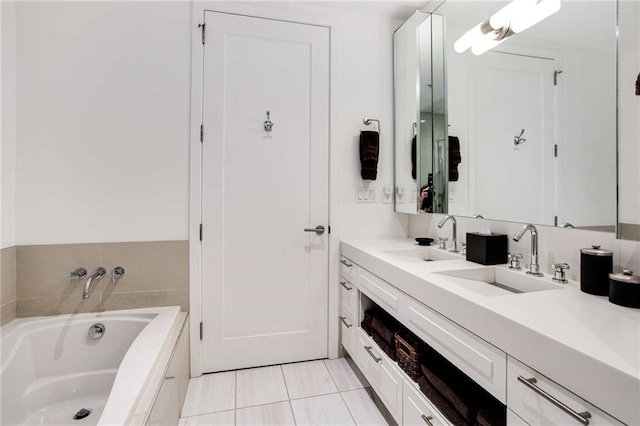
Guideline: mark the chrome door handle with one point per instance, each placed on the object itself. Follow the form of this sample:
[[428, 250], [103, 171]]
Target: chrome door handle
[[344, 284], [531, 384], [318, 229], [368, 349], [343, 319], [345, 263], [427, 419]]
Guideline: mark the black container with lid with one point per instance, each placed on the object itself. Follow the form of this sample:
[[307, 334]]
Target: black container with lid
[[624, 289], [595, 266]]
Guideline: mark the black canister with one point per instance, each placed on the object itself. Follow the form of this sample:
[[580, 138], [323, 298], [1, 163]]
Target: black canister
[[595, 266], [624, 289]]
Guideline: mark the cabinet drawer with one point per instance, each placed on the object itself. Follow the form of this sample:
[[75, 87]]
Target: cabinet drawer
[[366, 351], [417, 410], [378, 290], [514, 420], [348, 269], [348, 338], [526, 397], [381, 372], [348, 298], [478, 359]]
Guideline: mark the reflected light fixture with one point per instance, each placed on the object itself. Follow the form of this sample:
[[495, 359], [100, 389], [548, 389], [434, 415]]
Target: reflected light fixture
[[512, 19]]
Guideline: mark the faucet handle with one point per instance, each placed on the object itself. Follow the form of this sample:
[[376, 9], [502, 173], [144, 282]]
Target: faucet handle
[[77, 274], [514, 261], [559, 275], [117, 273], [442, 243]]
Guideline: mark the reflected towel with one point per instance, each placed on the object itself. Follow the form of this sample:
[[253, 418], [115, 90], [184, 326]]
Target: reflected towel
[[414, 149], [455, 158]]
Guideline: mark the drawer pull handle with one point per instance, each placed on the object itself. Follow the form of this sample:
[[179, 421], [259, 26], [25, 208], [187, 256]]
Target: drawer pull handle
[[368, 348], [345, 263], [427, 419], [531, 384], [344, 284], [343, 319]]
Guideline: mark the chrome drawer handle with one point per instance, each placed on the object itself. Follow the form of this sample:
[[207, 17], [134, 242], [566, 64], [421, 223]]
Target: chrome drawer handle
[[345, 263], [343, 319], [344, 284], [427, 419], [368, 348], [531, 384]]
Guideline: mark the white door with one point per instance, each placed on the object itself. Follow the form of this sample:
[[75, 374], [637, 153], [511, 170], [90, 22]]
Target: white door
[[264, 279], [512, 93]]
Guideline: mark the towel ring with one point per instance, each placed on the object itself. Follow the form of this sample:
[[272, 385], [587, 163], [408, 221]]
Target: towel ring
[[415, 129], [368, 121]]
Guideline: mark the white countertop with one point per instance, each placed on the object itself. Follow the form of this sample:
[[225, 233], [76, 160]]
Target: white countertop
[[581, 341]]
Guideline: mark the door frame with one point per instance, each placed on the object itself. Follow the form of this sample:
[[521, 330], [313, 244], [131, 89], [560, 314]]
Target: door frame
[[295, 14]]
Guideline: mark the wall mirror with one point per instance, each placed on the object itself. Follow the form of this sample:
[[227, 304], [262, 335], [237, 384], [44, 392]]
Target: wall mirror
[[628, 120], [420, 115], [532, 121]]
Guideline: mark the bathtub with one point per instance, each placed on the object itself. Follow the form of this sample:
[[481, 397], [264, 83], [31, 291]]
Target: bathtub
[[51, 368]]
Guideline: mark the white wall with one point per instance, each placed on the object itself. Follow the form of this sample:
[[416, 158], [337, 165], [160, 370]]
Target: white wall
[[7, 124], [366, 89], [102, 121], [554, 244]]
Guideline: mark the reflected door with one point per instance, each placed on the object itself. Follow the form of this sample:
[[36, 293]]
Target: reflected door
[[514, 182], [264, 279]]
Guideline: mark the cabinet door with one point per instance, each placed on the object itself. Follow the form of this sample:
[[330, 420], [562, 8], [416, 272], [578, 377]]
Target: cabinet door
[[348, 335], [391, 388], [348, 298], [367, 354], [540, 401], [417, 410]]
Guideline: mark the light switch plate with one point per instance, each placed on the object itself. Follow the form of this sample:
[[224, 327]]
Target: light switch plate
[[387, 194], [365, 195]]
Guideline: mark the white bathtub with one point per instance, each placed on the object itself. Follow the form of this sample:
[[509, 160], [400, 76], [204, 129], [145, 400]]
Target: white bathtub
[[50, 368]]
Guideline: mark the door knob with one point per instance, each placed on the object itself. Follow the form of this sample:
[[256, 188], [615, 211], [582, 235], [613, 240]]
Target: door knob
[[318, 229]]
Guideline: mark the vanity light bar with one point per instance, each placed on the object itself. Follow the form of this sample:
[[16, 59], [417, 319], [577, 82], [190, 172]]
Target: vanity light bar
[[514, 18]]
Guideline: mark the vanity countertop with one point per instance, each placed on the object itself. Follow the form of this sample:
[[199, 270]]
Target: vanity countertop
[[581, 341]]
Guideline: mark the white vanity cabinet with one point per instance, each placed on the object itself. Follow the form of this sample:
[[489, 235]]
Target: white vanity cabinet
[[417, 410], [537, 400]]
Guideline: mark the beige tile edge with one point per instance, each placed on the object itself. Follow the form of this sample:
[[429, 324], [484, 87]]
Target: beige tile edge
[[8, 312]]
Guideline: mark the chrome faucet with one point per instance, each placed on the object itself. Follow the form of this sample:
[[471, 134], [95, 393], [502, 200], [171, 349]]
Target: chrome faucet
[[99, 272], [534, 267], [454, 242]]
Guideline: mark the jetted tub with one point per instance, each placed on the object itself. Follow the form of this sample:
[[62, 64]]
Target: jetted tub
[[52, 368]]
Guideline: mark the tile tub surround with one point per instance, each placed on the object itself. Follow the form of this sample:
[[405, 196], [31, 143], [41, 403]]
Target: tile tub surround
[[555, 245], [156, 274], [7, 285]]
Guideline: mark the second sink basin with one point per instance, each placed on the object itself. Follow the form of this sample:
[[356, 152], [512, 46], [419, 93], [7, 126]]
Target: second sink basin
[[493, 281], [425, 253]]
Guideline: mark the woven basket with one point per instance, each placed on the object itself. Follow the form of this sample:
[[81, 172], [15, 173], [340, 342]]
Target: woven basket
[[408, 348]]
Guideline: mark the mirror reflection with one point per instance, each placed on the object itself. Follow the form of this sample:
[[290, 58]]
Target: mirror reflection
[[532, 120]]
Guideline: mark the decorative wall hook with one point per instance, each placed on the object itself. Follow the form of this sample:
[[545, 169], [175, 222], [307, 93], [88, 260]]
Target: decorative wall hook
[[517, 140], [268, 125]]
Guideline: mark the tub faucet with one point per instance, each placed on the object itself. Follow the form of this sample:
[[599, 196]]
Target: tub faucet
[[534, 267], [454, 242], [99, 272]]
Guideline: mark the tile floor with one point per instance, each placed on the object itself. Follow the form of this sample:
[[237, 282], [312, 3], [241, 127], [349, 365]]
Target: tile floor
[[324, 392]]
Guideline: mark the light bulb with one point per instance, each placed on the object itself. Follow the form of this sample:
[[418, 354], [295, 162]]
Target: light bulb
[[511, 12], [468, 39], [542, 10]]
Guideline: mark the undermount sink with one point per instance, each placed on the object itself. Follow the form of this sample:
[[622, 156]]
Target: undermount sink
[[494, 281], [425, 253]]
